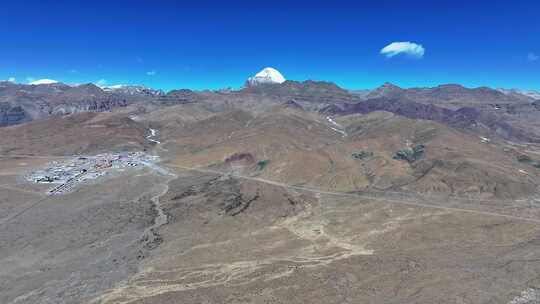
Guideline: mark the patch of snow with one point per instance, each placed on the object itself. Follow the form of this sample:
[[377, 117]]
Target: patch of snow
[[153, 133], [333, 122], [113, 87], [338, 127], [343, 133], [131, 89], [529, 93], [43, 81], [532, 94], [267, 75]]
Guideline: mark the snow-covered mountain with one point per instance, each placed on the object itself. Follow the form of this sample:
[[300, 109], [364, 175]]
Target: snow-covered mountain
[[267, 75], [133, 90], [529, 93]]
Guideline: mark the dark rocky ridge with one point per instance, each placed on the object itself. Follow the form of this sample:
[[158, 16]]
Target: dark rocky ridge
[[22, 103], [292, 104], [305, 92], [512, 116], [180, 96], [449, 95], [463, 118], [12, 115]]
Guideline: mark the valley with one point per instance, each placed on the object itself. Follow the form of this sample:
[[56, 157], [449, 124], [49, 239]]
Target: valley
[[287, 192], [284, 152]]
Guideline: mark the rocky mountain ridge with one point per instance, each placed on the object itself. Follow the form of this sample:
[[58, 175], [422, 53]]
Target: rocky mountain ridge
[[134, 90], [22, 102], [505, 113]]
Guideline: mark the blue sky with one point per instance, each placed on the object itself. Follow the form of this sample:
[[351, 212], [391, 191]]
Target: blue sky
[[214, 44]]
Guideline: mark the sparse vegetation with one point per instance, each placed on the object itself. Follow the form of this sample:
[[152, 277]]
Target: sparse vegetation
[[362, 154], [529, 161], [410, 154], [262, 164]]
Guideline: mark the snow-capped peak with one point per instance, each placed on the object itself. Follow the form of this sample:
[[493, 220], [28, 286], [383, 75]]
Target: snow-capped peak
[[43, 81], [529, 93], [267, 75], [115, 87], [132, 90]]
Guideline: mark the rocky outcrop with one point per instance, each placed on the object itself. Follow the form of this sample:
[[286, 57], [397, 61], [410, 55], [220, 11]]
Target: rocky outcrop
[[181, 96], [22, 103], [89, 104], [11, 115], [292, 104], [240, 157]]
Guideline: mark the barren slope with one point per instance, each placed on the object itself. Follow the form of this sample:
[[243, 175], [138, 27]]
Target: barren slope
[[298, 147], [74, 134]]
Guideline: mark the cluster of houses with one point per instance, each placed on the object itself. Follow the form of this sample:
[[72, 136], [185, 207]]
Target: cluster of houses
[[66, 174]]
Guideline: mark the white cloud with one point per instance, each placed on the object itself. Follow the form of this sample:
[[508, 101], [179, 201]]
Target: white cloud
[[151, 73], [408, 48], [12, 79], [101, 82], [532, 57], [41, 81]]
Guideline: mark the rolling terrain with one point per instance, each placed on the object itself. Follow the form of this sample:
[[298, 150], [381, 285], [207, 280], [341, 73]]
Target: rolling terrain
[[280, 192]]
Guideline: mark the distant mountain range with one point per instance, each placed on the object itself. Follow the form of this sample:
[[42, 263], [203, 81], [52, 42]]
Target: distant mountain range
[[530, 93], [133, 90], [449, 93], [509, 113], [24, 102], [445, 139]]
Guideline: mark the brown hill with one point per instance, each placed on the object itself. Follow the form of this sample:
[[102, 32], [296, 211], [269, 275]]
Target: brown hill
[[377, 144], [469, 118], [74, 134], [303, 148], [450, 95]]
